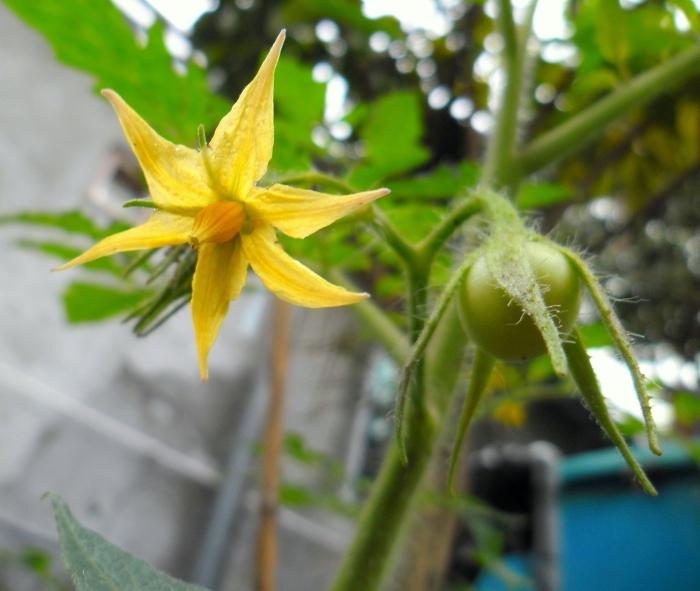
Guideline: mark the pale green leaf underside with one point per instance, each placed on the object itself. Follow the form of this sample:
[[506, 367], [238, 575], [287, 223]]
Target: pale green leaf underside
[[96, 565]]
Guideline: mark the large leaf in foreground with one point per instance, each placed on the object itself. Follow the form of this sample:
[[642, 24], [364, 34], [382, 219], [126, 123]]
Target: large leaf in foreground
[[93, 36], [96, 565]]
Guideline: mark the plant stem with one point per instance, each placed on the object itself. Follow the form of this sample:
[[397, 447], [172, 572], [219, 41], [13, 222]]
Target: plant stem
[[499, 154], [574, 134], [378, 531], [423, 340], [272, 439], [431, 244], [369, 557]]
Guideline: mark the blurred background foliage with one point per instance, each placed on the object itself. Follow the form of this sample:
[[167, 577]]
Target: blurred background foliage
[[377, 103], [374, 102]]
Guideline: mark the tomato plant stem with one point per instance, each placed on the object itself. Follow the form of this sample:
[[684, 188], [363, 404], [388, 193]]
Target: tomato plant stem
[[576, 132]]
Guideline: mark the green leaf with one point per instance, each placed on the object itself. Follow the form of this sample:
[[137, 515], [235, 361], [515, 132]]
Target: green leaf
[[595, 335], [72, 222], [292, 495], [687, 408], [444, 181], [295, 446], [36, 560], [94, 36], [96, 565], [299, 104], [690, 10], [347, 12], [391, 134], [612, 32], [542, 195], [91, 302], [66, 253]]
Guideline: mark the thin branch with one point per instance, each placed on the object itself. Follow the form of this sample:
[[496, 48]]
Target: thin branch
[[274, 427], [580, 129], [418, 350], [499, 155], [429, 246]]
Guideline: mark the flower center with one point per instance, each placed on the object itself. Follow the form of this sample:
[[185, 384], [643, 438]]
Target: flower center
[[218, 222]]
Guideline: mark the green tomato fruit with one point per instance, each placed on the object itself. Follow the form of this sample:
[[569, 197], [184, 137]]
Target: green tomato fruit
[[498, 325]]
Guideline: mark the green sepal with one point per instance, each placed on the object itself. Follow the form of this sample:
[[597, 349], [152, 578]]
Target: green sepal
[[482, 368], [620, 339], [585, 378]]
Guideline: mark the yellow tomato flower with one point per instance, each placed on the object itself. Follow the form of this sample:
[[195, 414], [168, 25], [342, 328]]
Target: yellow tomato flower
[[209, 199]]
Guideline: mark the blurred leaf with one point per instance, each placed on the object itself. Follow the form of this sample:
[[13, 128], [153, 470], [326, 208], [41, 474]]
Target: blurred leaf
[[612, 34], [391, 134], [37, 560], [689, 10], [413, 219], [590, 85], [630, 425], [91, 302], [295, 446], [686, 407], [299, 104], [292, 495], [96, 565], [535, 195], [66, 253], [693, 449], [595, 335], [444, 181], [346, 12], [94, 36], [73, 222], [301, 497]]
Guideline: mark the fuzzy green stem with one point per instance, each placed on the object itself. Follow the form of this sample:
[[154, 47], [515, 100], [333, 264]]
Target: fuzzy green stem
[[497, 171], [421, 343], [404, 249], [368, 560], [584, 376], [574, 134], [369, 557], [482, 367], [618, 334], [377, 535], [431, 244]]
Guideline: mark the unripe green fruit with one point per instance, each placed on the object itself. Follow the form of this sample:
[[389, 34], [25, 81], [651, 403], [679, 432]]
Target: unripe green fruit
[[498, 325]]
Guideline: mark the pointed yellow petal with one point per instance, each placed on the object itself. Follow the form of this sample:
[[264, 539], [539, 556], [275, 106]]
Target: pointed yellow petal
[[242, 144], [218, 278], [289, 279], [298, 212], [161, 229], [175, 174]]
